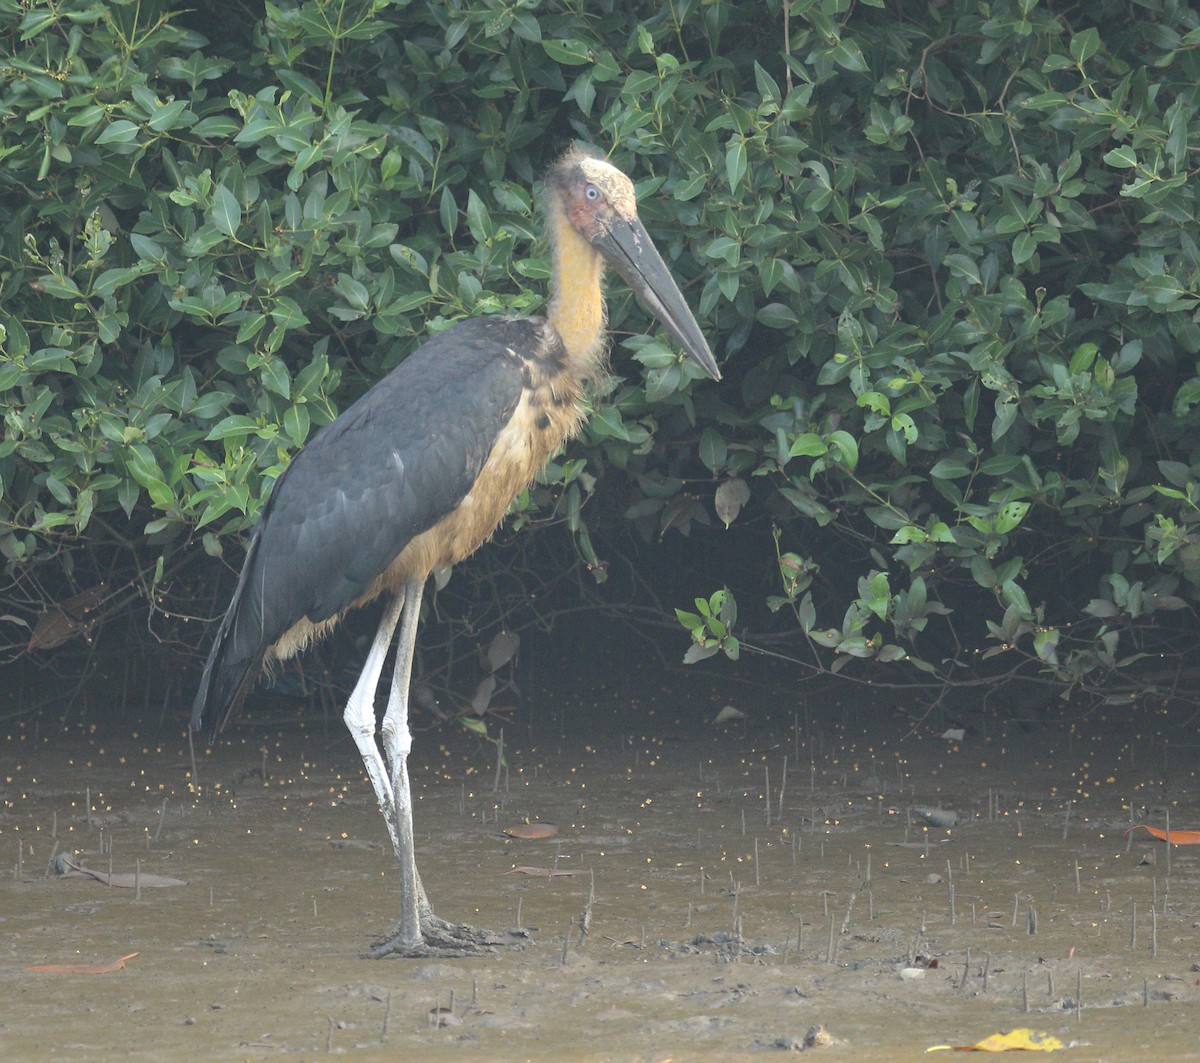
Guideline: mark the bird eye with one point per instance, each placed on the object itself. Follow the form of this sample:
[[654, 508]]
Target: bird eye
[[591, 192]]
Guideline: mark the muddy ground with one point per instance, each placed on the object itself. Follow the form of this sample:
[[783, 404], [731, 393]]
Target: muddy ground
[[729, 918]]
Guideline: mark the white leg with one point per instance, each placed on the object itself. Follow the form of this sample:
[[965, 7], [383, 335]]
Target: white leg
[[360, 716], [419, 932], [397, 744]]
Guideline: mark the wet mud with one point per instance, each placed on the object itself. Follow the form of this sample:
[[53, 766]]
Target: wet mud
[[733, 908]]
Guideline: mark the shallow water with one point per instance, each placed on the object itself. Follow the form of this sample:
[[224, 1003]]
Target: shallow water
[[665, 817]]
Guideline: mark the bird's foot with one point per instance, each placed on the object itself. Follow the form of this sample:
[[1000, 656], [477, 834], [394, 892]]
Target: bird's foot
[[439, 938]]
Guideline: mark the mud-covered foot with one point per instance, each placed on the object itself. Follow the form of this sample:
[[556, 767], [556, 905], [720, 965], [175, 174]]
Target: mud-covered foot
[[440, 938]]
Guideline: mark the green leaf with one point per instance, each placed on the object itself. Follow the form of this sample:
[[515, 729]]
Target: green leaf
[[353, 291], [1085, 44], [226, 213], [1024, 247], [808, 445], [119, 132], [735, 163], [950, 469], [479, 219], [848, 55], [570, 52], [234, 425], [713, 451], [606, 421], [847, 445], [1010, 515], [169, 116], [1122, 158], [448, 211], [777, 316]]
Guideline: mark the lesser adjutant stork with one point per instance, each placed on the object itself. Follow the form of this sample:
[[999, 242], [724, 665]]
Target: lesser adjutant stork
[[417, 473]]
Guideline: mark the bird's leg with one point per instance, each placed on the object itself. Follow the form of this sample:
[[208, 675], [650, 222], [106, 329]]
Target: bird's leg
[[397, 744], [359, 716], [419, 932]]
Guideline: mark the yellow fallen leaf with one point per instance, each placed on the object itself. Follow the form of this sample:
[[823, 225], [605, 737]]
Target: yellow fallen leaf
[[1021, 1040]]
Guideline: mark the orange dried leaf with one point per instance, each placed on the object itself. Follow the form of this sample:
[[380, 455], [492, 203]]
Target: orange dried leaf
[[531, 831], [82, 968], [1178, 837]]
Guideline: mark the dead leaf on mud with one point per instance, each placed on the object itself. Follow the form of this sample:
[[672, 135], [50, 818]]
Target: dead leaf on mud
[[632, 940], [1020, 1040], [1178, 837], [937, 817], [81, 968], [531, 831], [816, 1037], [62, 621], [353, 843], [542, 872], [123, 880]]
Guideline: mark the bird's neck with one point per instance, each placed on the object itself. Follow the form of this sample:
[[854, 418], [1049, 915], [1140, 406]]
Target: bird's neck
[[576, 307]]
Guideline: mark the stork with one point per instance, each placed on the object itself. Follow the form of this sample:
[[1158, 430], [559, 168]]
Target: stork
[[416, 475]]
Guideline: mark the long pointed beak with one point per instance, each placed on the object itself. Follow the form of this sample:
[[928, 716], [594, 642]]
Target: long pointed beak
[[627, 247]]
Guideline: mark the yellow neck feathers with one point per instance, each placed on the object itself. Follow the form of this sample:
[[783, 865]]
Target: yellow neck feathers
[[576, 307]]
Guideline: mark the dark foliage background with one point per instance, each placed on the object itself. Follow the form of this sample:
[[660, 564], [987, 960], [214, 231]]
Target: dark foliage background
[[947, 253]]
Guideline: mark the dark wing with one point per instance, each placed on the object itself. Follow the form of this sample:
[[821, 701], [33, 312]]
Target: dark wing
[[387, 469]]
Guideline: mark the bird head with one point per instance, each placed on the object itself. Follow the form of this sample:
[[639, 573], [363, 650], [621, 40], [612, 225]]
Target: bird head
[[599, 202]]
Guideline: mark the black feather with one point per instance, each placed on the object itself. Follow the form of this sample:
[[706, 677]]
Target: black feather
[[387, 469]]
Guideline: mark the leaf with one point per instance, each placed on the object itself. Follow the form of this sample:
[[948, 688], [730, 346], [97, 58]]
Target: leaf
[[848, 56], [949, 469], [542, 872], [729, 713], [1011, 514], [1178, 837], [1023, 1039], [735, 163], [448, 211], [700, 651], [848, 445], [483, 695], [503, 648], [807, 445], [226, 212], [60, 622], [1024, 247], [777, 315], [118, 132], [713, 450], [122, 880], [569, 52], [1122, 158], [1085, 44], [83, 968], [529, 832], [731, 496]]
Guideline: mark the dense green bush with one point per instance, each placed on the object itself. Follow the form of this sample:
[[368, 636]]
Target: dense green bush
[[947, 253]]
